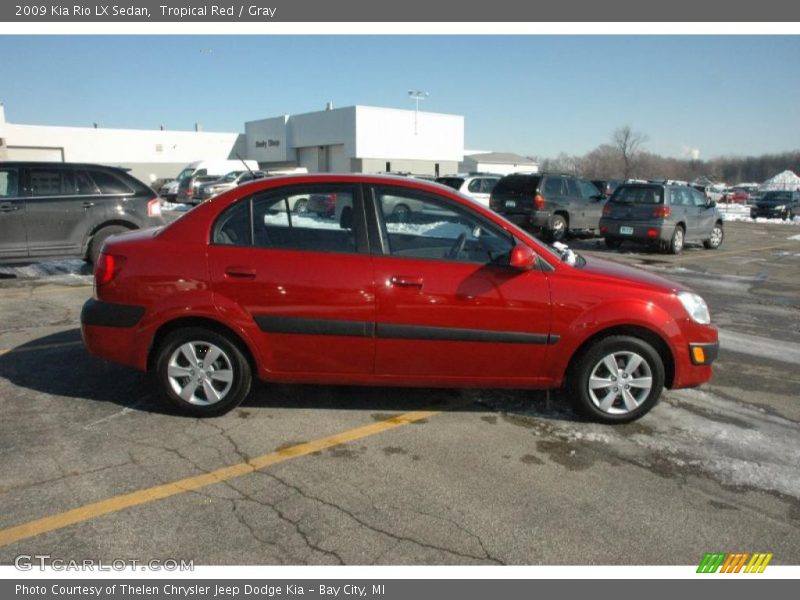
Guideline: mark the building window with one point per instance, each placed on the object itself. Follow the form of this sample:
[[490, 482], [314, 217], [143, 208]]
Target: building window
[[436, 169], [388, 166]]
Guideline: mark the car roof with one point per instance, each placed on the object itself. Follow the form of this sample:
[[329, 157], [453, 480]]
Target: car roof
[[39, 163]]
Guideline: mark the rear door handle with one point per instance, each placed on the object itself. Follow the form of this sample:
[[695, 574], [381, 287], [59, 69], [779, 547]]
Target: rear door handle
[[240, 272], [8, 207], [406, 281], [88, 204]]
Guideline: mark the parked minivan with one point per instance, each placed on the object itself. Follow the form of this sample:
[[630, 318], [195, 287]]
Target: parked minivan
[[61, 210]]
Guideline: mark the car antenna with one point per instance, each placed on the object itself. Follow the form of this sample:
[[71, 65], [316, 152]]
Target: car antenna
[[245, 165]]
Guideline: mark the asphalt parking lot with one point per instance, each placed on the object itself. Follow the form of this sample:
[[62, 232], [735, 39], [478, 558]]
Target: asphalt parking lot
[[94, 465]]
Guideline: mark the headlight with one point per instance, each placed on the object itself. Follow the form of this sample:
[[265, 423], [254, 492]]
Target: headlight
[[781, 207], [695, 306]]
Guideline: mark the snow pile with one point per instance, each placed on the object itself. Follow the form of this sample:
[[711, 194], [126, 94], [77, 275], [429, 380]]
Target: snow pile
[[66, 272], [786, 180]]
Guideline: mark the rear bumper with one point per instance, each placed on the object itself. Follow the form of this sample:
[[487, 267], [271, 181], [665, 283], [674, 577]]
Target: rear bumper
[[109, 331], [539, 219], [767, 212], [642, 232]]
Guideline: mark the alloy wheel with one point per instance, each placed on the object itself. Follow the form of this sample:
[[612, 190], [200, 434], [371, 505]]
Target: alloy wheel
[[200, 373], [620, 382]]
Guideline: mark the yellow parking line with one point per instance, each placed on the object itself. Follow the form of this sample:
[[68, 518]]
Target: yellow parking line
[[158, 492]]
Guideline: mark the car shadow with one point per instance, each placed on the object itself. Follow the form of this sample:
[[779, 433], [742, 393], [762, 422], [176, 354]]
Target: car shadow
[[59, 365]]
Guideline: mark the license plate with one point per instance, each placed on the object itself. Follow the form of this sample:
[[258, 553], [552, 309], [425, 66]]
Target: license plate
[[626, 230], [511, 203]]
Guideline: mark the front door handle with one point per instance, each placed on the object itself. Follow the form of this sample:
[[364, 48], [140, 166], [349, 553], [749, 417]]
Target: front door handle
[[87, 204], [406, 281], [240, 272]]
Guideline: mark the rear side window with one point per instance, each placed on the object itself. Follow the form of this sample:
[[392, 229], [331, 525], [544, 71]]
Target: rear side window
[[52, 182], [638, 194], [517, 185], [109, 184], [295, 220], [9, 183], [553, 186]]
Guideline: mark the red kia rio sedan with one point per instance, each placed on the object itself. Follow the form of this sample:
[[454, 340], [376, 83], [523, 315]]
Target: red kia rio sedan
[[441, 292]]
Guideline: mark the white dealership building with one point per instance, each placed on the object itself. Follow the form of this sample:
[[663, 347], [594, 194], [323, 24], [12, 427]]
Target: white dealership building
[[357, 139]]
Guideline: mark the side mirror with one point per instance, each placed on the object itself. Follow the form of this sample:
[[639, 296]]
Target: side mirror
[[522, 258], [712, 203]]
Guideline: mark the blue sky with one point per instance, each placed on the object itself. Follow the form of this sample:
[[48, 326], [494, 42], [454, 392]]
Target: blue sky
[[535, 95]]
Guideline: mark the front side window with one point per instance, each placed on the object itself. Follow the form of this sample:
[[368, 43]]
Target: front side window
[[9, 183], [699, 198], [588, 189], [475, 186], [420, 226]]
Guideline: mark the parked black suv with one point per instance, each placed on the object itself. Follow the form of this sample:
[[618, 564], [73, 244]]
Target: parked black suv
[[660, 214], [61, 210], [777, 204], [549, 204]]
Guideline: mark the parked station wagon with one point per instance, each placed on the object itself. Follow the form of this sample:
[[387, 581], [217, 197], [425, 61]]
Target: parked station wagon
[[453, 296], [661, 215], [62, 210]]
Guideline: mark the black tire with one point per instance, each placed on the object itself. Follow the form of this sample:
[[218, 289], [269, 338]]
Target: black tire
[[557, 228], [676, 242], [99, 238], [592, 361], [788, 215], [230, 359], [716, 239], [613, 243], [301, 206], [401, 214]]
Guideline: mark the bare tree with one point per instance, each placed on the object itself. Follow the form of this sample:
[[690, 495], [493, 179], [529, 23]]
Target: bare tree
[[629, 145]]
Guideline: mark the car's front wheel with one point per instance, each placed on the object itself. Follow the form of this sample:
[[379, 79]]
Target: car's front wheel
[[202, 372], [99, 238], [617, 380]]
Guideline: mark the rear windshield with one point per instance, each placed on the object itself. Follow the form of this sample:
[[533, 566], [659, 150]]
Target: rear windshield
[[453, 182], [638, 194], [517, 185]]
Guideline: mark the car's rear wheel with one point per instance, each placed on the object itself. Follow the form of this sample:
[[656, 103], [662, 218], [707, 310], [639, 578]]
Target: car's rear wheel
[[99, 238], [788, 215], [202, 372], [617, 380], [558, 228], [676, 242], [717, 235], [613, 243], [401, 214], [301, 206]]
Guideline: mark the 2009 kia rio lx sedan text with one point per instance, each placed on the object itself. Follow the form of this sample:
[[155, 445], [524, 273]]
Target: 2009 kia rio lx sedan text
[[449, 295]]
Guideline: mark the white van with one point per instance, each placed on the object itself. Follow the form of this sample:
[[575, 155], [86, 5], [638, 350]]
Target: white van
[[200, 168]]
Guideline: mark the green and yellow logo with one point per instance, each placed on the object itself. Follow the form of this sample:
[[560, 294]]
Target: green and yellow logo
[[734, 563]]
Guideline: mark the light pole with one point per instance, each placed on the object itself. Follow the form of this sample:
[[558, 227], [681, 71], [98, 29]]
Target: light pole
[[416, 95]]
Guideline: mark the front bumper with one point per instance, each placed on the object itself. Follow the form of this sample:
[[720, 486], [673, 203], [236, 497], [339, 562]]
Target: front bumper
[[768, 212]]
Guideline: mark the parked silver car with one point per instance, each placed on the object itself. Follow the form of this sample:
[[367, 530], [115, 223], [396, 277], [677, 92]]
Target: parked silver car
[[662, 215], [225, 183]]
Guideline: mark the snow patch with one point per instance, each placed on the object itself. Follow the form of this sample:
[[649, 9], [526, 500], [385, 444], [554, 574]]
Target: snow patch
[[759, 346]]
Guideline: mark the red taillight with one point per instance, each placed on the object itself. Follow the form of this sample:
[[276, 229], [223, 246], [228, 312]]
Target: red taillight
[[107, 268], [652, 233], [606, 211], [330, 201], [661, 212], [154, 208], [538, 202]]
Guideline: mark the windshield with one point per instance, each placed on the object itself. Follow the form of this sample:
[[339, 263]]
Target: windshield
[[638, 194], [453, 182], [517, 185], [187, 172]]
